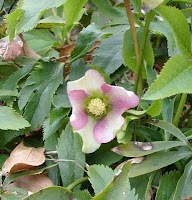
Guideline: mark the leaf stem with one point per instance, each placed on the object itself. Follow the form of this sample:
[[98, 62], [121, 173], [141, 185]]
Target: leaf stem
[[149, 16], [133, 29], [179, 109], [77, 182]]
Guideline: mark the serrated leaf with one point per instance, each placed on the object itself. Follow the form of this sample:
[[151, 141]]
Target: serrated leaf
[[119, 188], [54, 122], [171, 129], [180, 80], [100, 176], [32, 11], [162, 27], [69, 148], [72, 9], [11, 120], [12, 81], [109, 55], [178, 25], [167, 185], [85, 41], [40, 40], [137, 149], [129, 52], [38, 92], [51, 193], [183, 188], [153, 110], [82, 195]]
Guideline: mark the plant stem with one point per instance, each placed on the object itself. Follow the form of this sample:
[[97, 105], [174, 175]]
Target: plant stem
[[77, 182], [140, 61], [133, 29], [149, 184], [179, 109]]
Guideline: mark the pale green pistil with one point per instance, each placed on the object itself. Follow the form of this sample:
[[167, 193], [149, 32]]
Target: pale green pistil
[[96, 107]]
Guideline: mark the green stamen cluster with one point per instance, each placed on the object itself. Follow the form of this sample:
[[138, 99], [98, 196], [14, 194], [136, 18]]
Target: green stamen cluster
[[97, 107]]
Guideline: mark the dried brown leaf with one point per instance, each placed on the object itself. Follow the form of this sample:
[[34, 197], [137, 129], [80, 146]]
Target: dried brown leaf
[[10, 50], [189, 198], [26, 51], [33, 183], [22, 158]]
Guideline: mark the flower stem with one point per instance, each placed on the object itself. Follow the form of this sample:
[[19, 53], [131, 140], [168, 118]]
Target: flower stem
[[180, 109], [77, 182], [133, 29], [149, 16]]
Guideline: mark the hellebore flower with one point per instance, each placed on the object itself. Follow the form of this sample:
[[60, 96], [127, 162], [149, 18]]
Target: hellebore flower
[[97, 108]]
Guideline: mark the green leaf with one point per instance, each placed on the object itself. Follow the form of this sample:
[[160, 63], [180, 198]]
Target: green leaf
[[183, 189], [151, 4], [77, 70], [167, 113], [162, 27], [50, 193], [3, 158], [50, 22], [11, 120], [180, 80], [104, 155], [119, 188], [178, 25], [109, 11], [7, 196], [155, 161], [109, 55], [85, 42], [61, 98], [40, 40], [140, 184], [7, 136], [54, 122], [72, 9], [171, 129], [11, 21], [32, 11], [13, 80], [167, 185], [100, 176], [69, 148], [82, 195], [129, 52], [38, 92], [153, 110], [137, 149], [50, 145], [5, 93], [137, 4]]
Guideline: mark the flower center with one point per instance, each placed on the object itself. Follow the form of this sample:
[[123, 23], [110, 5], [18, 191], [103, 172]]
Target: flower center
[[96, 107]]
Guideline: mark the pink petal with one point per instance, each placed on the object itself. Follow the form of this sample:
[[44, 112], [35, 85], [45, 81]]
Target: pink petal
[[105, 129], [90, 82], [120, 98], [79, 117]]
